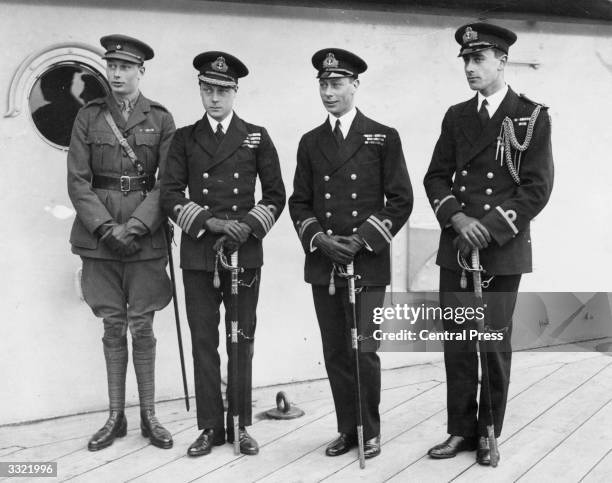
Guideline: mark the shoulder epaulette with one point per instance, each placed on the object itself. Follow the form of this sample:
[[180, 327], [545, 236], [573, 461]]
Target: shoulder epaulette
[[524, 97], [157, 104], [96, 102]]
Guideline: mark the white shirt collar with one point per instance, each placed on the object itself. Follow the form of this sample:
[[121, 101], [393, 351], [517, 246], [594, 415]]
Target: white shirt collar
[[225, 123], [345, 121], [493, 101]]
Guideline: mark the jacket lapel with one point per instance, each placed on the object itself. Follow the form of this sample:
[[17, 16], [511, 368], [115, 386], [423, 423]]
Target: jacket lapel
[[113, 108], [353, 141], [204, 137], [139, 114], [491, 130], [233, 139], [470, 122], [327, 142]]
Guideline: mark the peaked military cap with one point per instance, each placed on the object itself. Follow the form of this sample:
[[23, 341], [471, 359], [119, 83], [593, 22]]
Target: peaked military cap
[[334, 62], [126, 48], [475, 37], [219, 68]]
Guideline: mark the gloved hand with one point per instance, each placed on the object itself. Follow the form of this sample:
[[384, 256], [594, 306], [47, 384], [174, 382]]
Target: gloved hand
[[463, 246], [353, 242], [122, 238], [332, 249], [227, 243], [237, 230], [471, 230]]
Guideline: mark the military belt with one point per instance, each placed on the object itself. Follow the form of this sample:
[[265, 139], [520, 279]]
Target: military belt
[[124, 183]]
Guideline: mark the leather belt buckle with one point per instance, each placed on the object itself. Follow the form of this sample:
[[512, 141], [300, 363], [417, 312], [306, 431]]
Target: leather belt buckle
[[124, 183]]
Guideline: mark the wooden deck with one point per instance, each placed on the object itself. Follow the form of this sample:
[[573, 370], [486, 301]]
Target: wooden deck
[[557, 429]]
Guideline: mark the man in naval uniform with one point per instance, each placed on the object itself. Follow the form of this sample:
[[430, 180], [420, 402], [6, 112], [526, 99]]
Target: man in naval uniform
[[490, 174], [351, 195], [118, 230], [219, 159]]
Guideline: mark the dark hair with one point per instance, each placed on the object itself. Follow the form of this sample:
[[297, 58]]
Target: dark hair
[[498, 53]]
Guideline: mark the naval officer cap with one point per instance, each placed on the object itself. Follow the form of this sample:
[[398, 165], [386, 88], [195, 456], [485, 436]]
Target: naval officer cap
[[129, 49], [337, 63], [219, 68], [475, 37]]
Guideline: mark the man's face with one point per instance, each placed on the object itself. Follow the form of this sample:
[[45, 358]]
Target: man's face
[[484, 71], [338, 94], [123, 76], [218, 101]]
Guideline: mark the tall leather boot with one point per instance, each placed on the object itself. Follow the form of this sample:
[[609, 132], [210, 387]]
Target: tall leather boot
[[116, 356], [143, 353]]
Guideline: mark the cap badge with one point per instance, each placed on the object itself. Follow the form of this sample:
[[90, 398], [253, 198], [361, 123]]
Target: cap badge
[[118, 46], [469, 35], [219, 65], [330, 61]]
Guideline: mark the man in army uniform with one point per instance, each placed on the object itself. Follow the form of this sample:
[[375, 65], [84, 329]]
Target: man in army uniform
[[351, 195], [219, 159], [491, 172], [118, 230]]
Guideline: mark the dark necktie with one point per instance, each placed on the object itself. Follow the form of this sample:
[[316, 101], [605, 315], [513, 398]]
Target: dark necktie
[[219, 134], [338, 133], [483, 113]]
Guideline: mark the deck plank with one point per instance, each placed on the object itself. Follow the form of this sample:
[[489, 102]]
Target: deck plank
[[582, 450], [309, 442], [528, 398], [405, 455]]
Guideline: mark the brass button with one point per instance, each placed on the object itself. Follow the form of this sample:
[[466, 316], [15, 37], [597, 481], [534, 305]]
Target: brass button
[[487, 207], [462, 188], [205, 191], [490, 175], [205, 175], [327, 196], [354, 196], [235, 191], [206, 207], [462, 204], [236, 175], [326, 178], [234, 208], [353, 176], [464, 173], [329, 232], [489, 191], [328, 214], [354, 213], [355, 230]]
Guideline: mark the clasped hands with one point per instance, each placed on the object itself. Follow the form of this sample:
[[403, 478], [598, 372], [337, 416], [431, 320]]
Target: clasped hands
[[340, 249], [235, 232], [471, 233], [121, 238]]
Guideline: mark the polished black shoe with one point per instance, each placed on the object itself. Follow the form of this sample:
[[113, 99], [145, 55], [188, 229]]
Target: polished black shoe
[[483, 453], [452, 446], [371, 447], [248, 445], [115, 427], [342, 444], [151, 428], [203, 445]]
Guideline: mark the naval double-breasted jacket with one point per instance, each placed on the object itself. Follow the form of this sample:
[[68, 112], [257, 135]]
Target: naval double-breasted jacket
[[361, 186], [206, 178], [467, 173]]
